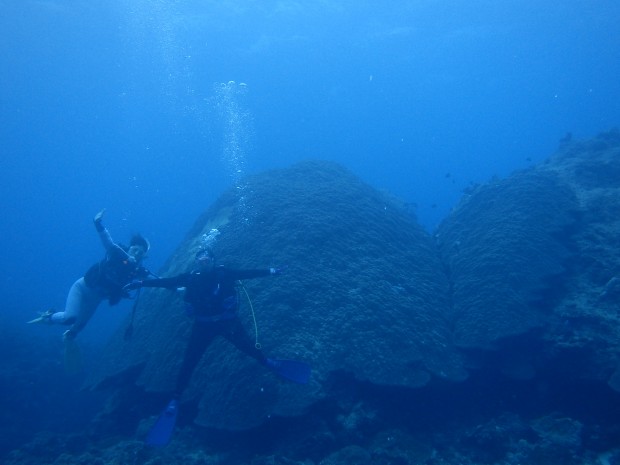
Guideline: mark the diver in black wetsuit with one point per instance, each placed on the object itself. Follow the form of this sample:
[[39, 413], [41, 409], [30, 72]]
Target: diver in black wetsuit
[[212, 300]]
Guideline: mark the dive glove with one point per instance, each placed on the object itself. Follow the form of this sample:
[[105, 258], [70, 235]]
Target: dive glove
[[97, 220]]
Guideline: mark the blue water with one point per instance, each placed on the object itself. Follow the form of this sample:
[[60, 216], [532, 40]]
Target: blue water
[[129, 105]]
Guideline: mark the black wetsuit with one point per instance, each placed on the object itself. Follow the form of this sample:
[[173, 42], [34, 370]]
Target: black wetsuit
[[212, 301], [117, 269]]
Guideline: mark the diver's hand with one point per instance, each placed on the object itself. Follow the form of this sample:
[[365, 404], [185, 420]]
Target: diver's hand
[[97, 220], [132, 286]]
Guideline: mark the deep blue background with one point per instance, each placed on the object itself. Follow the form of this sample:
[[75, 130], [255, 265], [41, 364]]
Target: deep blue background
[[119, 104]]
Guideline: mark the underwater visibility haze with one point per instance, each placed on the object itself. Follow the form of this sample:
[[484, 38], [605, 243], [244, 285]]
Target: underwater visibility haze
[[154, 109]]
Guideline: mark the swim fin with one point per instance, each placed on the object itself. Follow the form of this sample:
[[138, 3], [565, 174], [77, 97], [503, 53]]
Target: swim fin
[[297, 372], [162, 430], [72, 356], [44, 317]]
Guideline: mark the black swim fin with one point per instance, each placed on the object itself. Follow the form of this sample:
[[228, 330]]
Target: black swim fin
[[297, 372], [162, 430]]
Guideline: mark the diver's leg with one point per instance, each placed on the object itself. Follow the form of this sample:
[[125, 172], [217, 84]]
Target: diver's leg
[[72, 305], [298, 372], [239, 337], [199, 340], [82, 302]]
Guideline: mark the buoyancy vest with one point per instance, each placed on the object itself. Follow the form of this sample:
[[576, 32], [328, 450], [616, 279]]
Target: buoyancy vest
[[211, 295], [111, 274]]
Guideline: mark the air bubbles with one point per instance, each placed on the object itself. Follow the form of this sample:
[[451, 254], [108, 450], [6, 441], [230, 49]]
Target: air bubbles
[[237, 133]]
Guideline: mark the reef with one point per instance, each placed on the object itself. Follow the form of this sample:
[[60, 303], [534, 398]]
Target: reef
[[364, 293], [495, 339]]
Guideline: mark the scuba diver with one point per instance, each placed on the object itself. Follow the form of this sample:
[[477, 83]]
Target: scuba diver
[[103, 280], [211, 297]]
